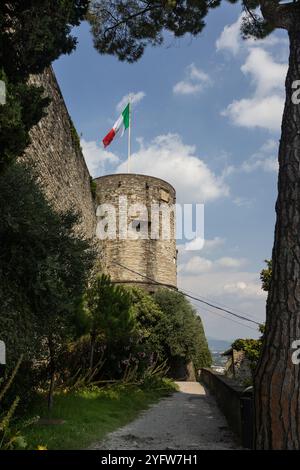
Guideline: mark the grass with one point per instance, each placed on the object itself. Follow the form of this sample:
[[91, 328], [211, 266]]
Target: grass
[[90, 414]]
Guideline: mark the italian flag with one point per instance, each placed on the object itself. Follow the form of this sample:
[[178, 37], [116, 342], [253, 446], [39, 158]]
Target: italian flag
[[122, 121]]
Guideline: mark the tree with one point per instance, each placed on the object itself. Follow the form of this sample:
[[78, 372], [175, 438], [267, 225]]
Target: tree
[[108, 310], [266, 276], [180, 330], [44, 267], [24, 107], [148, 317], [33, 33], [252, 349], [124, 29]]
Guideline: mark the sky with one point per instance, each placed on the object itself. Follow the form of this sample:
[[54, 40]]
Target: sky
[[206, 118]]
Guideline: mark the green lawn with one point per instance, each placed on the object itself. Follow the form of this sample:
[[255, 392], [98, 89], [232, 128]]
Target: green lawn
[[90, 414]]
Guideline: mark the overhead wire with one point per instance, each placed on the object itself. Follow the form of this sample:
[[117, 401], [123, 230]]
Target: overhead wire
[[193, 297]]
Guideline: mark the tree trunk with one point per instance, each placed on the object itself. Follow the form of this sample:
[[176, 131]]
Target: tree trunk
[[52, 374], [92, 349], [277, 380]]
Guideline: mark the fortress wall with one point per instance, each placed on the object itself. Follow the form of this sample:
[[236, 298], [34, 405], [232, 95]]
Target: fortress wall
[[56, 154]]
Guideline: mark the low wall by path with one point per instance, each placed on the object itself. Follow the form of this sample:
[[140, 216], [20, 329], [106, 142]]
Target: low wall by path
[[235, 404]]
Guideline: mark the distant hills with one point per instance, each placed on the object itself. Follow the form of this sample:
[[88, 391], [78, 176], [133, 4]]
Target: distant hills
[[218, 344]]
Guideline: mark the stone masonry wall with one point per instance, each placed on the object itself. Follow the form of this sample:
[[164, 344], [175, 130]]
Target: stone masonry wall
[[55, 152], [153, 258], [57, 157]]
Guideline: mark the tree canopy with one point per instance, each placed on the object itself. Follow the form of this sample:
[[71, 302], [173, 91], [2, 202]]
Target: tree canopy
[[43, 265], [33, 33], [266, 275], [126, 28], [180, 329], [36, 32]]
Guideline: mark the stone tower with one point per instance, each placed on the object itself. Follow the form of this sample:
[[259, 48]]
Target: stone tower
[[141, 260]]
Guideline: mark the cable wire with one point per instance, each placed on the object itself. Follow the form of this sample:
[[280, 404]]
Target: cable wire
[[188, 295]]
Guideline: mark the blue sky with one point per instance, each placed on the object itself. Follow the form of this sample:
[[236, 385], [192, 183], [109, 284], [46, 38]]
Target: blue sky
[[207, 119]]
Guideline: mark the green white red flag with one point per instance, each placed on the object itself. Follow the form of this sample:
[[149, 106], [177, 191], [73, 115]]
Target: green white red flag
[[123, 121]]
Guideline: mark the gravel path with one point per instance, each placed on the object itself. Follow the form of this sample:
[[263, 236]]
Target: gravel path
[[189, 419]]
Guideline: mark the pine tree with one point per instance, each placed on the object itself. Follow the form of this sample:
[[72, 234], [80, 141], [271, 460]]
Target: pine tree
[[125, 29]]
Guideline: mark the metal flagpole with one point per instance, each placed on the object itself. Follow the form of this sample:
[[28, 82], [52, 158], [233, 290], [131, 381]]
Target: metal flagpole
[[129, 136]]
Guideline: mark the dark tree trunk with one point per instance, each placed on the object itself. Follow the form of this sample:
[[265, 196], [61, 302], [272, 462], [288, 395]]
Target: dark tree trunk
[[52, 374], [92, 349], [277, 380]]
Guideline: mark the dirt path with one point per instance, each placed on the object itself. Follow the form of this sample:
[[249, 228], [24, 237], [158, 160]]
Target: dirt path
[[188, 419]]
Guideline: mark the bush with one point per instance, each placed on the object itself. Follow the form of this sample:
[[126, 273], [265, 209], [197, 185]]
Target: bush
[[10, 437], [180, 329], [252, 349], [43, 271]]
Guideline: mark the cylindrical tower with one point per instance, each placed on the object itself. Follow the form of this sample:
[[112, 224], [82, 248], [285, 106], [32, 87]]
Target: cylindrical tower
[[135, 258]]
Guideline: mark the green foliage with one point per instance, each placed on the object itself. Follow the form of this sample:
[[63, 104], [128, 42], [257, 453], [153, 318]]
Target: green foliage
[[43, 270], [96, 411], [135, 331], [108, 308], [33, 33], [110, 323], [254, 25], [266, 276], [10, 436], [36, 32], [125, 29], [252, 348], [23, 109], [180, 329], [147, 315]]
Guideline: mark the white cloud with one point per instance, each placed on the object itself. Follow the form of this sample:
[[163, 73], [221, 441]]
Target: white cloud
[[187, 88], [245, 289], [266, 74], [264, 108], [270, 145], [198, 264], [215, 285], [230, 38], [194, 82], [134, 98], [167, 157], [228, 262], [254, 112], [265, 159], [239, 291], [269, 165], [243, 201], [96, 157], [209, 245]]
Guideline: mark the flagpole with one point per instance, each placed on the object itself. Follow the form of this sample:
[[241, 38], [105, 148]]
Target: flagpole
[[129, 137]]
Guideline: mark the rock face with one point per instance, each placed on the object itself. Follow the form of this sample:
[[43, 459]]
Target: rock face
[[57, 157], [146, 258]]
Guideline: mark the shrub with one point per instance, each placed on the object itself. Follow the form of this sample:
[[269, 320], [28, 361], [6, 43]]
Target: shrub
[[44, 266], [10, 438]]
